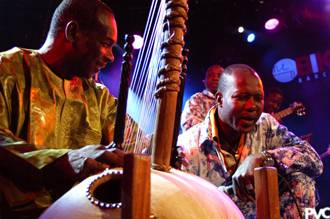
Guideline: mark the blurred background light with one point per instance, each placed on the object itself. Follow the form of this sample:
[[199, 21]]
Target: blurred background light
[[251, 37], [271, 24], [240, 29], [138, 42]]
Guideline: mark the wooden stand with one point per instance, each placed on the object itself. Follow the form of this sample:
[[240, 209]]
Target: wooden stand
[[266, 190], [136, 187]]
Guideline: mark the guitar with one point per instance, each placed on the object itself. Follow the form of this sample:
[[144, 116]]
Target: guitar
[[295, 107]]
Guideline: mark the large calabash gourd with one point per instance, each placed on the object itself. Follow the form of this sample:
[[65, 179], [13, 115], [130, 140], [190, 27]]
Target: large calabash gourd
[[174, 195]]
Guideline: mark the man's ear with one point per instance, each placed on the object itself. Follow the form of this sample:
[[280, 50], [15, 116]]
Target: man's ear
[[218, 98], [71, 30]]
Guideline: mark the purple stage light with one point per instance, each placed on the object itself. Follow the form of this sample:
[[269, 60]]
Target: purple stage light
[[271, 24]]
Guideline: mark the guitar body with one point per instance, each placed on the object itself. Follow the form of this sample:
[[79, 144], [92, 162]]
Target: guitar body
[[174, 195]]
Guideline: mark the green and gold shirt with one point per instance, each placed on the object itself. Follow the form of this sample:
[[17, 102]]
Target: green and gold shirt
[[50, 114]]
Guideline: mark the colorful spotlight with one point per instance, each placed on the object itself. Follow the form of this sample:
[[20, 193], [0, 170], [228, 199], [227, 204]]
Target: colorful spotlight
[[271, 24], [251, 37], [138, 42]]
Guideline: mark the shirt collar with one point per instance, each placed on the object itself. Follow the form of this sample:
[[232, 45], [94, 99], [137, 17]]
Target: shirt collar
[[212, 129], [208, 93], [209, 129]]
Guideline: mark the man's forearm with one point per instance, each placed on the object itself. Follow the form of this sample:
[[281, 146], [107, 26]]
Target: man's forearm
[[300, 158]]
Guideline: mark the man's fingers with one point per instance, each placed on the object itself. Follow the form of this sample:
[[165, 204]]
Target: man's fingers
[[250, 191], [113, 158], [92, 164], [236, 189], [92, 167], [243, 189]]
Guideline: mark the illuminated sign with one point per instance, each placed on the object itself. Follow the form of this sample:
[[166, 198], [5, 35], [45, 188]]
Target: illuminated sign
[[304, 67]]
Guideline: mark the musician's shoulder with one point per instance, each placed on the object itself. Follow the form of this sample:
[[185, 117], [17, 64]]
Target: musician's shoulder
[[100, 86], [7, 56], [266, 116], [15, 52], [11, 63], [101, 89]]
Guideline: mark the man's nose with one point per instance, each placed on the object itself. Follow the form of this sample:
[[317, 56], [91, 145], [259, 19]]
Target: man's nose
[[251, 104], [109, 55]]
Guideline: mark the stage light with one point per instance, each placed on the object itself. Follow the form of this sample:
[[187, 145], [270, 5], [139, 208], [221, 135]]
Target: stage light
[[271, 24], [138, 42], [251, 37], [240, 29]]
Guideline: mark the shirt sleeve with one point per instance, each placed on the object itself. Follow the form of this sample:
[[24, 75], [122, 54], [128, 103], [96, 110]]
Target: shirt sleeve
[[192, 113], [291, 153], [12, 118], [12, 148]]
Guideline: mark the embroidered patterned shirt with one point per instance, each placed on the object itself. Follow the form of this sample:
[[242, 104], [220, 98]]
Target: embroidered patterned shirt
[[52, 116], [296, 160], [196, 109]]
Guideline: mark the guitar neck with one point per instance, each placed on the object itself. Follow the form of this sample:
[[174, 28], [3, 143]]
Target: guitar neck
[[283, 113]]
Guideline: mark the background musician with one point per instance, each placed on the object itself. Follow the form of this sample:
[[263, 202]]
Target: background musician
[[273, 100], [200, 103]]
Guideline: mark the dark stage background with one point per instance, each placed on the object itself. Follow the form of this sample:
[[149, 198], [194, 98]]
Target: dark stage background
[[212, 38]]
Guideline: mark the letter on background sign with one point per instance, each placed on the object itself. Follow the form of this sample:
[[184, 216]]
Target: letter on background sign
[[304, 66]]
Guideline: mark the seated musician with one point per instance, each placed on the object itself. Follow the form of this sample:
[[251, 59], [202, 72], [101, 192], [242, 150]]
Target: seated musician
[[196, 108], [54, 119], [236, 137], [273, 100]]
